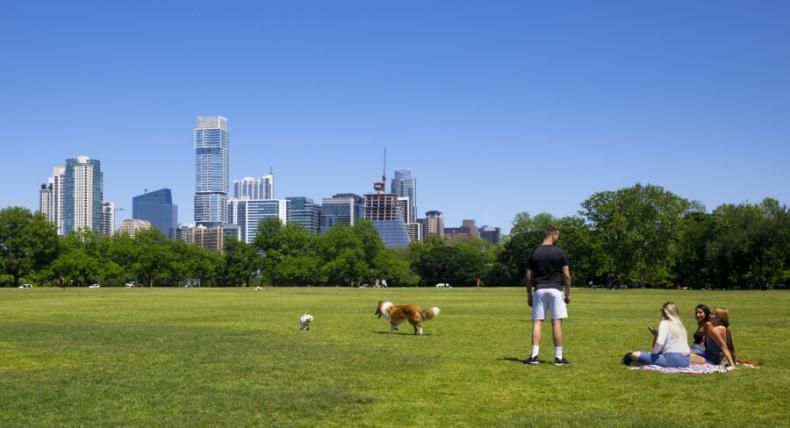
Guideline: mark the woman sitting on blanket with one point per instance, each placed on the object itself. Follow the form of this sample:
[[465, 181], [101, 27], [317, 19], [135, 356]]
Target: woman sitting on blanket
[[702, 314], [719, 346], [671, 348]]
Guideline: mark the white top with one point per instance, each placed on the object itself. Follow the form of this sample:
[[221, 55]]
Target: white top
[[666, 341]]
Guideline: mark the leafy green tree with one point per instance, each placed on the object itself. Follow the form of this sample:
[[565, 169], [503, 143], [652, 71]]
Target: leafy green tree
[[460, 264], [750, 244], [587, 260], [28, 242], [638, 227], [242, 263], [343, 257], [204, 265], [694, 265], [152, 255], [289, 254]]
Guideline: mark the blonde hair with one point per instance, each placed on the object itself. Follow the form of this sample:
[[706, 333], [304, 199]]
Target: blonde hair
[[671, 313], [723, 314]]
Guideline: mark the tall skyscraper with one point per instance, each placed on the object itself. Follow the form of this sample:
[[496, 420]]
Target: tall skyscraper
[[51, 197], [212, 170], [107, 218], [304, 211], [341, 209], [157, 208], [382, 209], [45, 199], [405, 185], [83, 196], [254, 188], [434, 224]]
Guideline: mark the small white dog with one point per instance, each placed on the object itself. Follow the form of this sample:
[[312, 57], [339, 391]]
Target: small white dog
[[304, 321]]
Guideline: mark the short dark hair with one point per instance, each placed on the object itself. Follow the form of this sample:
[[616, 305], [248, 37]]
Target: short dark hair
[[551, 229]]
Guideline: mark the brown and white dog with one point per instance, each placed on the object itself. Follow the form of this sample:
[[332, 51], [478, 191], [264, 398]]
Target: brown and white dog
[[396, 314]]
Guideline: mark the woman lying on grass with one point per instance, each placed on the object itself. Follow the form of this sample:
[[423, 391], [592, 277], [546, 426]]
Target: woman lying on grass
[[670, 348], [718, 340]]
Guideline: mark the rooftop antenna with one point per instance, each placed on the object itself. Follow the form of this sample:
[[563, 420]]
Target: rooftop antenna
[[384, 171], [271, 169]]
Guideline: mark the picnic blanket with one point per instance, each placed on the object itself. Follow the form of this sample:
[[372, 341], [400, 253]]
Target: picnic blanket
[[692, 369]]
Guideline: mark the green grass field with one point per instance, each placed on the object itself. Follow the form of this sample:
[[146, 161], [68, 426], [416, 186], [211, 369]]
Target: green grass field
[[235, 357]]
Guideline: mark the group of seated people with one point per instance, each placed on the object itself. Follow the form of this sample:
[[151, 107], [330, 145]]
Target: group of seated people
[[713, 342]]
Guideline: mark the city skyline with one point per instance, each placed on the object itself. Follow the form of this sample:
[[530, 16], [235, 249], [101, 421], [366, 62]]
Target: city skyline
[[497, 108]]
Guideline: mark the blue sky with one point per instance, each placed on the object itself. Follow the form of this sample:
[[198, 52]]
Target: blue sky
[[498, 106]]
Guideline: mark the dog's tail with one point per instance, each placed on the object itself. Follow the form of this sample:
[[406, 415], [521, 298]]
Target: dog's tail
[[430, 313]]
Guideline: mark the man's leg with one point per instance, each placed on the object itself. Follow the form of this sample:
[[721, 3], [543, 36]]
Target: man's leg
[[537, 326], [556, 332]]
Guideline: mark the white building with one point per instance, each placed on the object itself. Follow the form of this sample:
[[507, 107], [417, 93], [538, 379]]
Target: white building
[[83, 195], [254, 188], [250, 213], [131, 226]]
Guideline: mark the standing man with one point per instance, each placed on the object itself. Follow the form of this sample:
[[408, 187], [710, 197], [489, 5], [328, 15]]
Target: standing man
[[548, 271]]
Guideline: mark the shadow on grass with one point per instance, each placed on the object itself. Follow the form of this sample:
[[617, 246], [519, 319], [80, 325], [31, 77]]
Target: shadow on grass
[[514, 360], [401, 333]]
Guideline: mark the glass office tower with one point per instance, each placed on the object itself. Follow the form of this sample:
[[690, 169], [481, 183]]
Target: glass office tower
[[304, 211], [249, 214], [405, 185], [157, 208], [341, 209], [212, 171]]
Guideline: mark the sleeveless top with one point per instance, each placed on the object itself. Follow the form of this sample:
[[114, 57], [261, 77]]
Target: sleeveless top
[[713, 353]]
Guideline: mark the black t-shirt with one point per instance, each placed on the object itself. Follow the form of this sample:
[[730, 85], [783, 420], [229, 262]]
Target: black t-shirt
[[546, 264]]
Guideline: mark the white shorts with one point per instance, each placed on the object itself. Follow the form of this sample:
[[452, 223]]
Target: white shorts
[[551, 300]]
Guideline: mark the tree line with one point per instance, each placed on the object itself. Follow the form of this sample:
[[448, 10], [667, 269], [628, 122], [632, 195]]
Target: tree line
[[641, 235]]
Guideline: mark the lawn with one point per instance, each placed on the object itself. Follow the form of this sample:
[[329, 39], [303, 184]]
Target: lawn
[[235, 357]]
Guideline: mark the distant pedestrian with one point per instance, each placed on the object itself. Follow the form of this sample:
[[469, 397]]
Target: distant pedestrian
[[477, 282], [548, 271]]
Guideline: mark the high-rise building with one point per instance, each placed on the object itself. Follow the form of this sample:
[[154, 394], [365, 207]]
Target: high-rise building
[[58, 198], [131, 226], [107, 218], [341, 209], [434, 224], [405, 185], [52, 195], [415, 231], [45, 199], [254, 188], [83, 195], [212, 169], [382, 209], [468, 229], [491, 234], [404, 205], [249, 214], [210, 238], [157, 207], [304, 211]]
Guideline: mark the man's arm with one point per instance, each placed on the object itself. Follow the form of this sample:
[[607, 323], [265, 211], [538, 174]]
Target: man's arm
[[566, 282], [528, 280]]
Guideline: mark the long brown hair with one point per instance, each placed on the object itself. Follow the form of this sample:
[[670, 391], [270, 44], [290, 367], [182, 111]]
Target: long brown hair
[[724, 317]]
